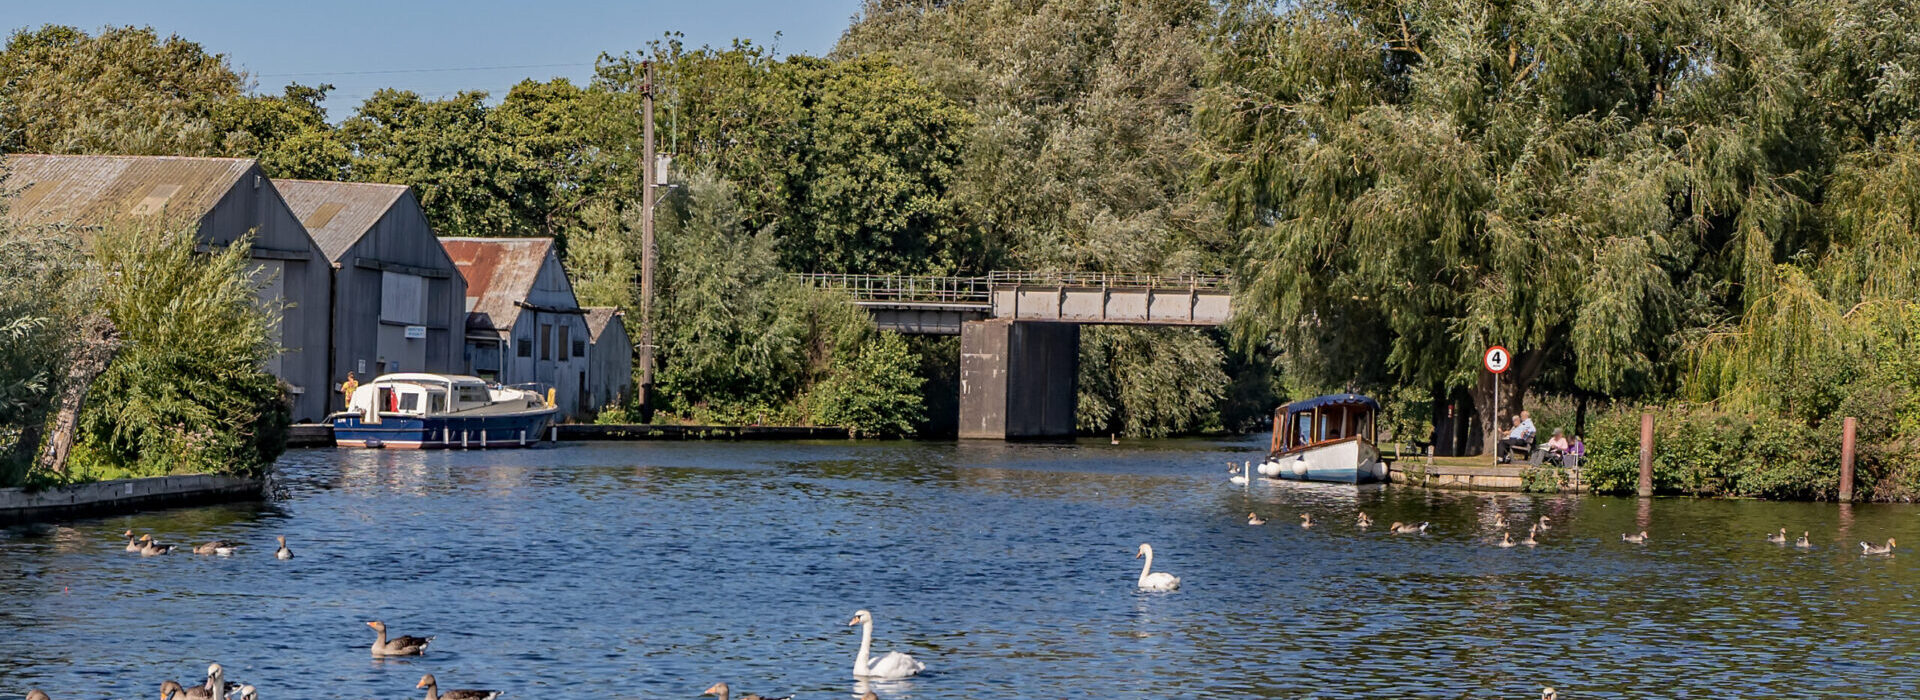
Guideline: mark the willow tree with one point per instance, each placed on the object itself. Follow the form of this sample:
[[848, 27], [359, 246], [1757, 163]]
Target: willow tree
[[1580, 183]]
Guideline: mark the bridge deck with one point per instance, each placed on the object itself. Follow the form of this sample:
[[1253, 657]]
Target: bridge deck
[[939, 305]]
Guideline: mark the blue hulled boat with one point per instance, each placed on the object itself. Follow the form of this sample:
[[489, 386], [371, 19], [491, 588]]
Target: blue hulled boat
[[420, 410]]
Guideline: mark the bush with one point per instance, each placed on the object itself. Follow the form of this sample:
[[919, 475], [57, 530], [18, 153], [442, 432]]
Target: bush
[[879, 394], [187, 392]]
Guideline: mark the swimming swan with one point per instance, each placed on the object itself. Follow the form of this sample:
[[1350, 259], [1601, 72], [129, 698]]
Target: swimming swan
[[1154, 580], [893, 665]]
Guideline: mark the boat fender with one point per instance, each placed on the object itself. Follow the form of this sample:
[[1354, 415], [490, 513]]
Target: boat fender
[[1300, 466]]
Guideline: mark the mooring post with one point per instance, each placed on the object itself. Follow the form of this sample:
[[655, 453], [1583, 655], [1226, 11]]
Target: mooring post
[[1846, 458], [1646, 455]]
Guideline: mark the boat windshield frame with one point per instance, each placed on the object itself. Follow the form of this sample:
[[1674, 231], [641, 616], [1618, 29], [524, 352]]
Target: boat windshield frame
[[1330, 419]]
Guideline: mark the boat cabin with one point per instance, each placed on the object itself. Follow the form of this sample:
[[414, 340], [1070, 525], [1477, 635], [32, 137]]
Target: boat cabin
[[422, 394], [1323, 420]]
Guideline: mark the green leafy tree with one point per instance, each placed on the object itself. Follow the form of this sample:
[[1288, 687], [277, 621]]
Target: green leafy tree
[[848, 162], [1580, 184], [127, 90], [288, 134], [472, 178], [878, 393], [723, 341], [1147, 383], [186, 392]]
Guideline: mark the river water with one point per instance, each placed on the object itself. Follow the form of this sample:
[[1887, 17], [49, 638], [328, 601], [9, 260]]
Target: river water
[[651, 570]]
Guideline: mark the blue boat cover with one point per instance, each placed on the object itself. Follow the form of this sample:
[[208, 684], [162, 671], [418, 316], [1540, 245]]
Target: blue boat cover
[[1331, 400]]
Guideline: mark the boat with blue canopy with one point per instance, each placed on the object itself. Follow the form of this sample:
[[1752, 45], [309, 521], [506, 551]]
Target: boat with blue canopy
[[1326, 438]]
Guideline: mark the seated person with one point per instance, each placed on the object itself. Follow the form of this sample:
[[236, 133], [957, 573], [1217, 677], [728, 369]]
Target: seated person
[[1559, 444], [1518, 439]]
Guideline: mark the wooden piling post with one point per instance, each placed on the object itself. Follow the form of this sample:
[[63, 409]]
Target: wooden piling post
[[1846, 458], [1646, 455]]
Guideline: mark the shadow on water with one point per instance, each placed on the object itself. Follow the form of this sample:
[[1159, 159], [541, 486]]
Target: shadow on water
[[654, 569]]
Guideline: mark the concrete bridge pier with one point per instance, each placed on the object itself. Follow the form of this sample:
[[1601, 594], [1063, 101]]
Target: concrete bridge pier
[[1018, 379]]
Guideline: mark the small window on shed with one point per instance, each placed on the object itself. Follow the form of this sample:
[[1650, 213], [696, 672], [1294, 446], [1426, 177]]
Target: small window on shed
[[580, 348], [546, 341], [526, 347], [565, 332]]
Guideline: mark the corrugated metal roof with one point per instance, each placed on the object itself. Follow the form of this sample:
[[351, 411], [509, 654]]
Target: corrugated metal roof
[[598, 317], [91, 190], [499, 272], [337, 214]]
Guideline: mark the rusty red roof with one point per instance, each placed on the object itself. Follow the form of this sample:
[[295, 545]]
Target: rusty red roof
[[500, 273]]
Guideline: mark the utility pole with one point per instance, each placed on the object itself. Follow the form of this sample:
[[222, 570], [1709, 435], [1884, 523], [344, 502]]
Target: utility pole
[[647, 185]]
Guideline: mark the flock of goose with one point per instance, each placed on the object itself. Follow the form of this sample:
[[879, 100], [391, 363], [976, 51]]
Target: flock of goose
[[866, 667], [1239, 477]]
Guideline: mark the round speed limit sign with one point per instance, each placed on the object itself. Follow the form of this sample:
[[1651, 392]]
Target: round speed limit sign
[[1498, 359]]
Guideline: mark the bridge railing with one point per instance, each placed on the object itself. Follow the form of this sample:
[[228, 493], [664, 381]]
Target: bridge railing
[[905, 288], [979, 290], [1108, 279]]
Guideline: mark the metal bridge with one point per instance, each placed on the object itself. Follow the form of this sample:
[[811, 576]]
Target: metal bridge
[[1020, 331], [941, 305]]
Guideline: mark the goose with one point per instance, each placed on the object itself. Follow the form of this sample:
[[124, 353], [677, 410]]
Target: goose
[[35, 694], [1803, 542], [1400, 528], [1549, 694], [1636, 539], [1306, 520], [151, 547], [282, 552], [1255, 519], [1543, 524], [171, 689], [215, 688], [220, 547], [1506, 540], [398, 646], [1500, 520], [133, 545], [1239, 477], [1530, 541], [433, 691], [1779, 538], [1363, 520], [893, 665], [1870, 549], [1154, 580], [720, 690]]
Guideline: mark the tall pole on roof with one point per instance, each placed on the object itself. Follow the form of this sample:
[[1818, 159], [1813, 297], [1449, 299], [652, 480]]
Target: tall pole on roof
[[647, 185]]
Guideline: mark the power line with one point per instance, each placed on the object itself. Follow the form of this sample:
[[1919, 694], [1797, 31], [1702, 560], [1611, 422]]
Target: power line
[[421, 70]]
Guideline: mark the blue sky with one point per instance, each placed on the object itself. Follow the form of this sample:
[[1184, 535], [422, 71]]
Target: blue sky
[[363, 45]]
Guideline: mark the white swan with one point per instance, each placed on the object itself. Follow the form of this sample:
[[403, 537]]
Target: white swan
[[1151, 580], [893, 665]]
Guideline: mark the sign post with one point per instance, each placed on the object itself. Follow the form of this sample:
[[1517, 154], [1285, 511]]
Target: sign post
[[1497, 359]]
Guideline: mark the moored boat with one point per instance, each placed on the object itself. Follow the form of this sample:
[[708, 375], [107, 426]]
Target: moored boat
[[421, 410], [1326, 438]]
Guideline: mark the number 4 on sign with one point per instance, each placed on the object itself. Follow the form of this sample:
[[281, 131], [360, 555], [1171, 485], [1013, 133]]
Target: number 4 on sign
[[1497, 359]]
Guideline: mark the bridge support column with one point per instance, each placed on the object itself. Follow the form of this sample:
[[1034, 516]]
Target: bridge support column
[[1018, 379]]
